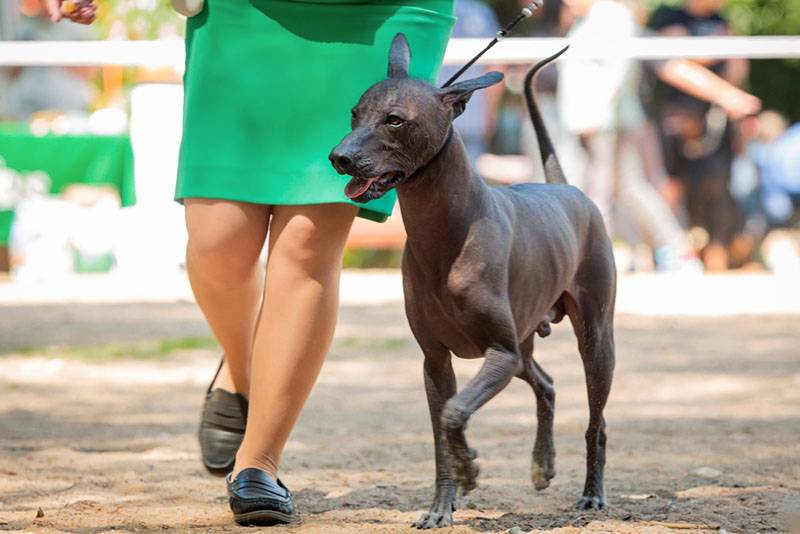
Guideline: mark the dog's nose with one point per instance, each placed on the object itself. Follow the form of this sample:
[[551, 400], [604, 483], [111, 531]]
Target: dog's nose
[[340, 161]]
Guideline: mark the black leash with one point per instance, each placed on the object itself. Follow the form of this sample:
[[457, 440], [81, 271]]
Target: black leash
[[526, 12]]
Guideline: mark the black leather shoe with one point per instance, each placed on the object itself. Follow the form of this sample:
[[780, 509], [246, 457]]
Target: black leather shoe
[[221, 428], [256, 499]]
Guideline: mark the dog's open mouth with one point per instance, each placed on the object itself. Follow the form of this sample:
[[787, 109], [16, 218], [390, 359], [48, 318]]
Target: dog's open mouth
[[359, 187]]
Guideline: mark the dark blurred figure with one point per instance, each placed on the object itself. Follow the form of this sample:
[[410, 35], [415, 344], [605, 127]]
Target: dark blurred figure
[[474, 19], [698, 138]]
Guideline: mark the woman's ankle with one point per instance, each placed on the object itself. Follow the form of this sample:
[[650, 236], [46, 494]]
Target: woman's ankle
[[261, 462], [225, 381]]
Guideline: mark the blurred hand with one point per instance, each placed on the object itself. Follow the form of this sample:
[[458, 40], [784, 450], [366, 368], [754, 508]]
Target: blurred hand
[[739, 104], [80, 11]]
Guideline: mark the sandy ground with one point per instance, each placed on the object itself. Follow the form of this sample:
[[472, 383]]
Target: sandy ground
[[703, 424]]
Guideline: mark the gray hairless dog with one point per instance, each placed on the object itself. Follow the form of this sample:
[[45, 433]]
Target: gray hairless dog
[[484, 269]]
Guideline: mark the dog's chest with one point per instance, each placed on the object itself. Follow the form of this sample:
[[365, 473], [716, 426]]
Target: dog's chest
[[436, 316]]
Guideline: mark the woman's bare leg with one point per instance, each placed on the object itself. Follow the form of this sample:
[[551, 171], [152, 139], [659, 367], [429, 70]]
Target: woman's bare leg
[[296, 325], [225, 240]]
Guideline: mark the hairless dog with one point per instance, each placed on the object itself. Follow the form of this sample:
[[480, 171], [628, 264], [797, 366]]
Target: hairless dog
[[484, 269]]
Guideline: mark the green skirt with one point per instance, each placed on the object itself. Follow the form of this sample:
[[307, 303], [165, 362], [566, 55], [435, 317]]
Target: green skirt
[[269, 86]]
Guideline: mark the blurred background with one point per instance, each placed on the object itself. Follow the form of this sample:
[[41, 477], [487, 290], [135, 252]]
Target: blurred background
[[689, 177], [686, 181]]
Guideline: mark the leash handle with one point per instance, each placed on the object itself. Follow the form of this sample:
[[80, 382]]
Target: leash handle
[[526, 12]]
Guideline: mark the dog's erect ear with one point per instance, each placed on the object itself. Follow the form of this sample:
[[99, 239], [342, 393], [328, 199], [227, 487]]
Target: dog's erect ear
[[458, 94], [399, 57]]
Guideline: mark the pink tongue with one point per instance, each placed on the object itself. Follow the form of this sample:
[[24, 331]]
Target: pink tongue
[[358, 186]]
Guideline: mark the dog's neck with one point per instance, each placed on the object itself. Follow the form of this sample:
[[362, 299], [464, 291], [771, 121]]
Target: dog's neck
[[436, 203]]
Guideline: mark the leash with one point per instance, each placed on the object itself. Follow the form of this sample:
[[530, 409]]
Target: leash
[[526, 12]]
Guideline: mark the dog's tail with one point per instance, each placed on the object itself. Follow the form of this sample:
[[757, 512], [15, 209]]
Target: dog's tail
[[553, 173]]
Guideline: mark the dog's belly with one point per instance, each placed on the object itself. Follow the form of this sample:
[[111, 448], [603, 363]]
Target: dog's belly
[[449, 334]]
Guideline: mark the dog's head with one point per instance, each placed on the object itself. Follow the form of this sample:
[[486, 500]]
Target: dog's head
[[398, 126]]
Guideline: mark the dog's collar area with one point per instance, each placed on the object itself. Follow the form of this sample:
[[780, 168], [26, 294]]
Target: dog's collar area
[[435, 156]]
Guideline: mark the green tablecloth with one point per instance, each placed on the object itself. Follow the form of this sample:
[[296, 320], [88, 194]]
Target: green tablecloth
[[68, 159]]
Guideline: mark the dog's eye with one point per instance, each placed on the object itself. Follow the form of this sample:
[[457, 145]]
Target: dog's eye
[[394, 120]]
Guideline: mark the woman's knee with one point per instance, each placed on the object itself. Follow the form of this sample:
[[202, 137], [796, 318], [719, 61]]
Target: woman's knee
[[225, 238], [310, 240]]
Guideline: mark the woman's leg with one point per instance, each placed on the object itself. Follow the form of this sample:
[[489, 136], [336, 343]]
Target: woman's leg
[[225, 240], [295, 328]]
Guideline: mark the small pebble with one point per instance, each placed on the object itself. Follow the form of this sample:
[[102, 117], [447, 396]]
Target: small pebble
[[515, 530], [639, 496], [39, 513], [706, 472]]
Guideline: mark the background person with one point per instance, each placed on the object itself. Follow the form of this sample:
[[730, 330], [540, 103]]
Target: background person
[[698, 137], [29, 90], [599, 103], [775, 150]]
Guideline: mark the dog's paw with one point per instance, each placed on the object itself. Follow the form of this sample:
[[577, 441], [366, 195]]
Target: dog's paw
[[541, 476], [434, 519], [591, 502]]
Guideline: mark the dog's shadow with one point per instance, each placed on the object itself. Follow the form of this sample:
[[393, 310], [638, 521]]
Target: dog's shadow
[[469, 512], [392, 497]]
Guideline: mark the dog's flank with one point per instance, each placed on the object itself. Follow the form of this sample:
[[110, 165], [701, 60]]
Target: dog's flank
[[553, 173]]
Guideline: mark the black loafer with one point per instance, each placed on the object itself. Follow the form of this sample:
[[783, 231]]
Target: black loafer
[[256, 499], [221, 428]]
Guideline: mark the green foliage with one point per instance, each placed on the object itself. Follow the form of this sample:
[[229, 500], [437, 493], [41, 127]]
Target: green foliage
[[764, 17], [138, 350], [372, 259], [370, 344], [776, 82]]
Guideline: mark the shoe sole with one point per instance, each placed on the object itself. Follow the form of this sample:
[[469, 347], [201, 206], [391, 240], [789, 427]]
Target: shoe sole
[[264, 518]]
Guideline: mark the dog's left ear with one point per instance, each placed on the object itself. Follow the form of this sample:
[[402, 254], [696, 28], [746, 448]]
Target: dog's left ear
[[457, 95], [399, 57]]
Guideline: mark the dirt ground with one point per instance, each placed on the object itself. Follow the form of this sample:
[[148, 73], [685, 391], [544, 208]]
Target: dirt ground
[[703, 425]]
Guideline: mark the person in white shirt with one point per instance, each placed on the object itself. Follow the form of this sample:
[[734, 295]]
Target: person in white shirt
[[598, 102]]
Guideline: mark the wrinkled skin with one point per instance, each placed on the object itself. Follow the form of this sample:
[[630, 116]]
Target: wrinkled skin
[[484, 270]]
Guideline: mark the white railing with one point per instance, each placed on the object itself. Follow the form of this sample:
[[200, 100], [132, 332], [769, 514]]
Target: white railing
[[170, 53]]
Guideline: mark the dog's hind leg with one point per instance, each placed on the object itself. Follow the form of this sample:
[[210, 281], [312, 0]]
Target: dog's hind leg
[[440, 385], [544, 451], [592, 316], [499, 367]]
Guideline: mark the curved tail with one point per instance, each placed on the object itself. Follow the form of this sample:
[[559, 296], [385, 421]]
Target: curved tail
[[553, 173]]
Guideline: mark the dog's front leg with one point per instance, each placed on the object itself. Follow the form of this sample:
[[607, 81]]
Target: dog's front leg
[[440, 385], [500, 366]]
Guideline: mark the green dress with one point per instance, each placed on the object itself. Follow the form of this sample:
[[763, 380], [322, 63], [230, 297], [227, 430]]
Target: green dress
[[269, 86]]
